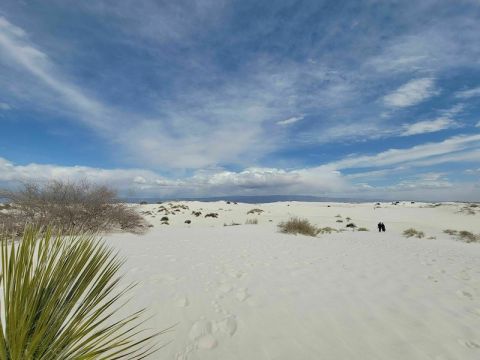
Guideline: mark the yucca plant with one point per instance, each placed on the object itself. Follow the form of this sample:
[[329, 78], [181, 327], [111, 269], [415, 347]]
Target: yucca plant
[[60, 297]]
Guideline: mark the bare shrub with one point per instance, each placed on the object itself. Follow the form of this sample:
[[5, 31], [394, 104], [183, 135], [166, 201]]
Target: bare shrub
[[413, 233], [251, 222], [69, 205], [351, 225], [298, 226]]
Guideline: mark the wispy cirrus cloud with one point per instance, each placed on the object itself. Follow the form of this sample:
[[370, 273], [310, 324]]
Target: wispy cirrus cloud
[[469, 93], [429, 126], [411, 93], [291, 120]]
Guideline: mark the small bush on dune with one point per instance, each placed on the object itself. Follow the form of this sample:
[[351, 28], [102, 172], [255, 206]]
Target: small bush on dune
[[326, 230], [251, 222], [351, 225], [58, 296], [75, 206], [413, 233], [468, 237], [298, 226], [463, 235], [255, 211]]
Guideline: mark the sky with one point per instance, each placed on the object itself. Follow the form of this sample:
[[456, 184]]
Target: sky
[[364, 99]]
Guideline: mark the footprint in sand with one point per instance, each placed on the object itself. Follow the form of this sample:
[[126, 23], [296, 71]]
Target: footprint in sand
[[201, 334], [469, 344], [228, 326], [242, 295]]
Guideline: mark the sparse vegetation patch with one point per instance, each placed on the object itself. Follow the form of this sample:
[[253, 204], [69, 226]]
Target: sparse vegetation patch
[[411, 232], [298, 226], [77, 206], [255, 211]]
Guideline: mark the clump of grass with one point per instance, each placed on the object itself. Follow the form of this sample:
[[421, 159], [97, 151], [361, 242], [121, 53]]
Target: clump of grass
[[351, 225], [251, 222], [348, 218], [463, 235], [58, 296], [212, 215], [362, 229], [411, 232], [326, 230], [468, 237], [339, 221], [451, 232], [255, 211], [298, 226], [338, 216]]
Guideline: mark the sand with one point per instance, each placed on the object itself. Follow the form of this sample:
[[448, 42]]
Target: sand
[[250, 292]]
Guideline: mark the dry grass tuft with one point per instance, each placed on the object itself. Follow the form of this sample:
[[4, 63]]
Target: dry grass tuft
[[413, 233], [255, 211], [251, 222], [298, 226]]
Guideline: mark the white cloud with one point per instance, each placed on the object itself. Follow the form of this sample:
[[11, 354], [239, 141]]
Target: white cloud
[[290, 121], [411, 93], [428, 126], [418, 152], [466, 94]]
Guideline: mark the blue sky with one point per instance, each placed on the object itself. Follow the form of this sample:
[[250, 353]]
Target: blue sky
[[371, 99]]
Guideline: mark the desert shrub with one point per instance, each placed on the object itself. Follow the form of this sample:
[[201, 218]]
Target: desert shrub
[[450, 232], [411, 232], [255, 211], [463, 235], [339, 221], [251, 222], [298, 226], [212, 215], [188, 221], [196, 213], [351, 225], [58, 294], [164, 218], [77, 206], [362, 229], [348, 218], [326, 230], [338, 216], [467, 236]]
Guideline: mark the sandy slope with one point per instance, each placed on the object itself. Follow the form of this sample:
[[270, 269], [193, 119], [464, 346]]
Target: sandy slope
[[249, 292]]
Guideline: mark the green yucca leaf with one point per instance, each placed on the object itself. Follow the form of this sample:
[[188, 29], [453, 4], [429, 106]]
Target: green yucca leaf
[[59, 301]]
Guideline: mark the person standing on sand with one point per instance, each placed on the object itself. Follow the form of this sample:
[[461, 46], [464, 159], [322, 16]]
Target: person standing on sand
[[383, 227], [379, 225]]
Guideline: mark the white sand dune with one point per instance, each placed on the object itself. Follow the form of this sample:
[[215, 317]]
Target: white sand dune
[[249, 292]]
